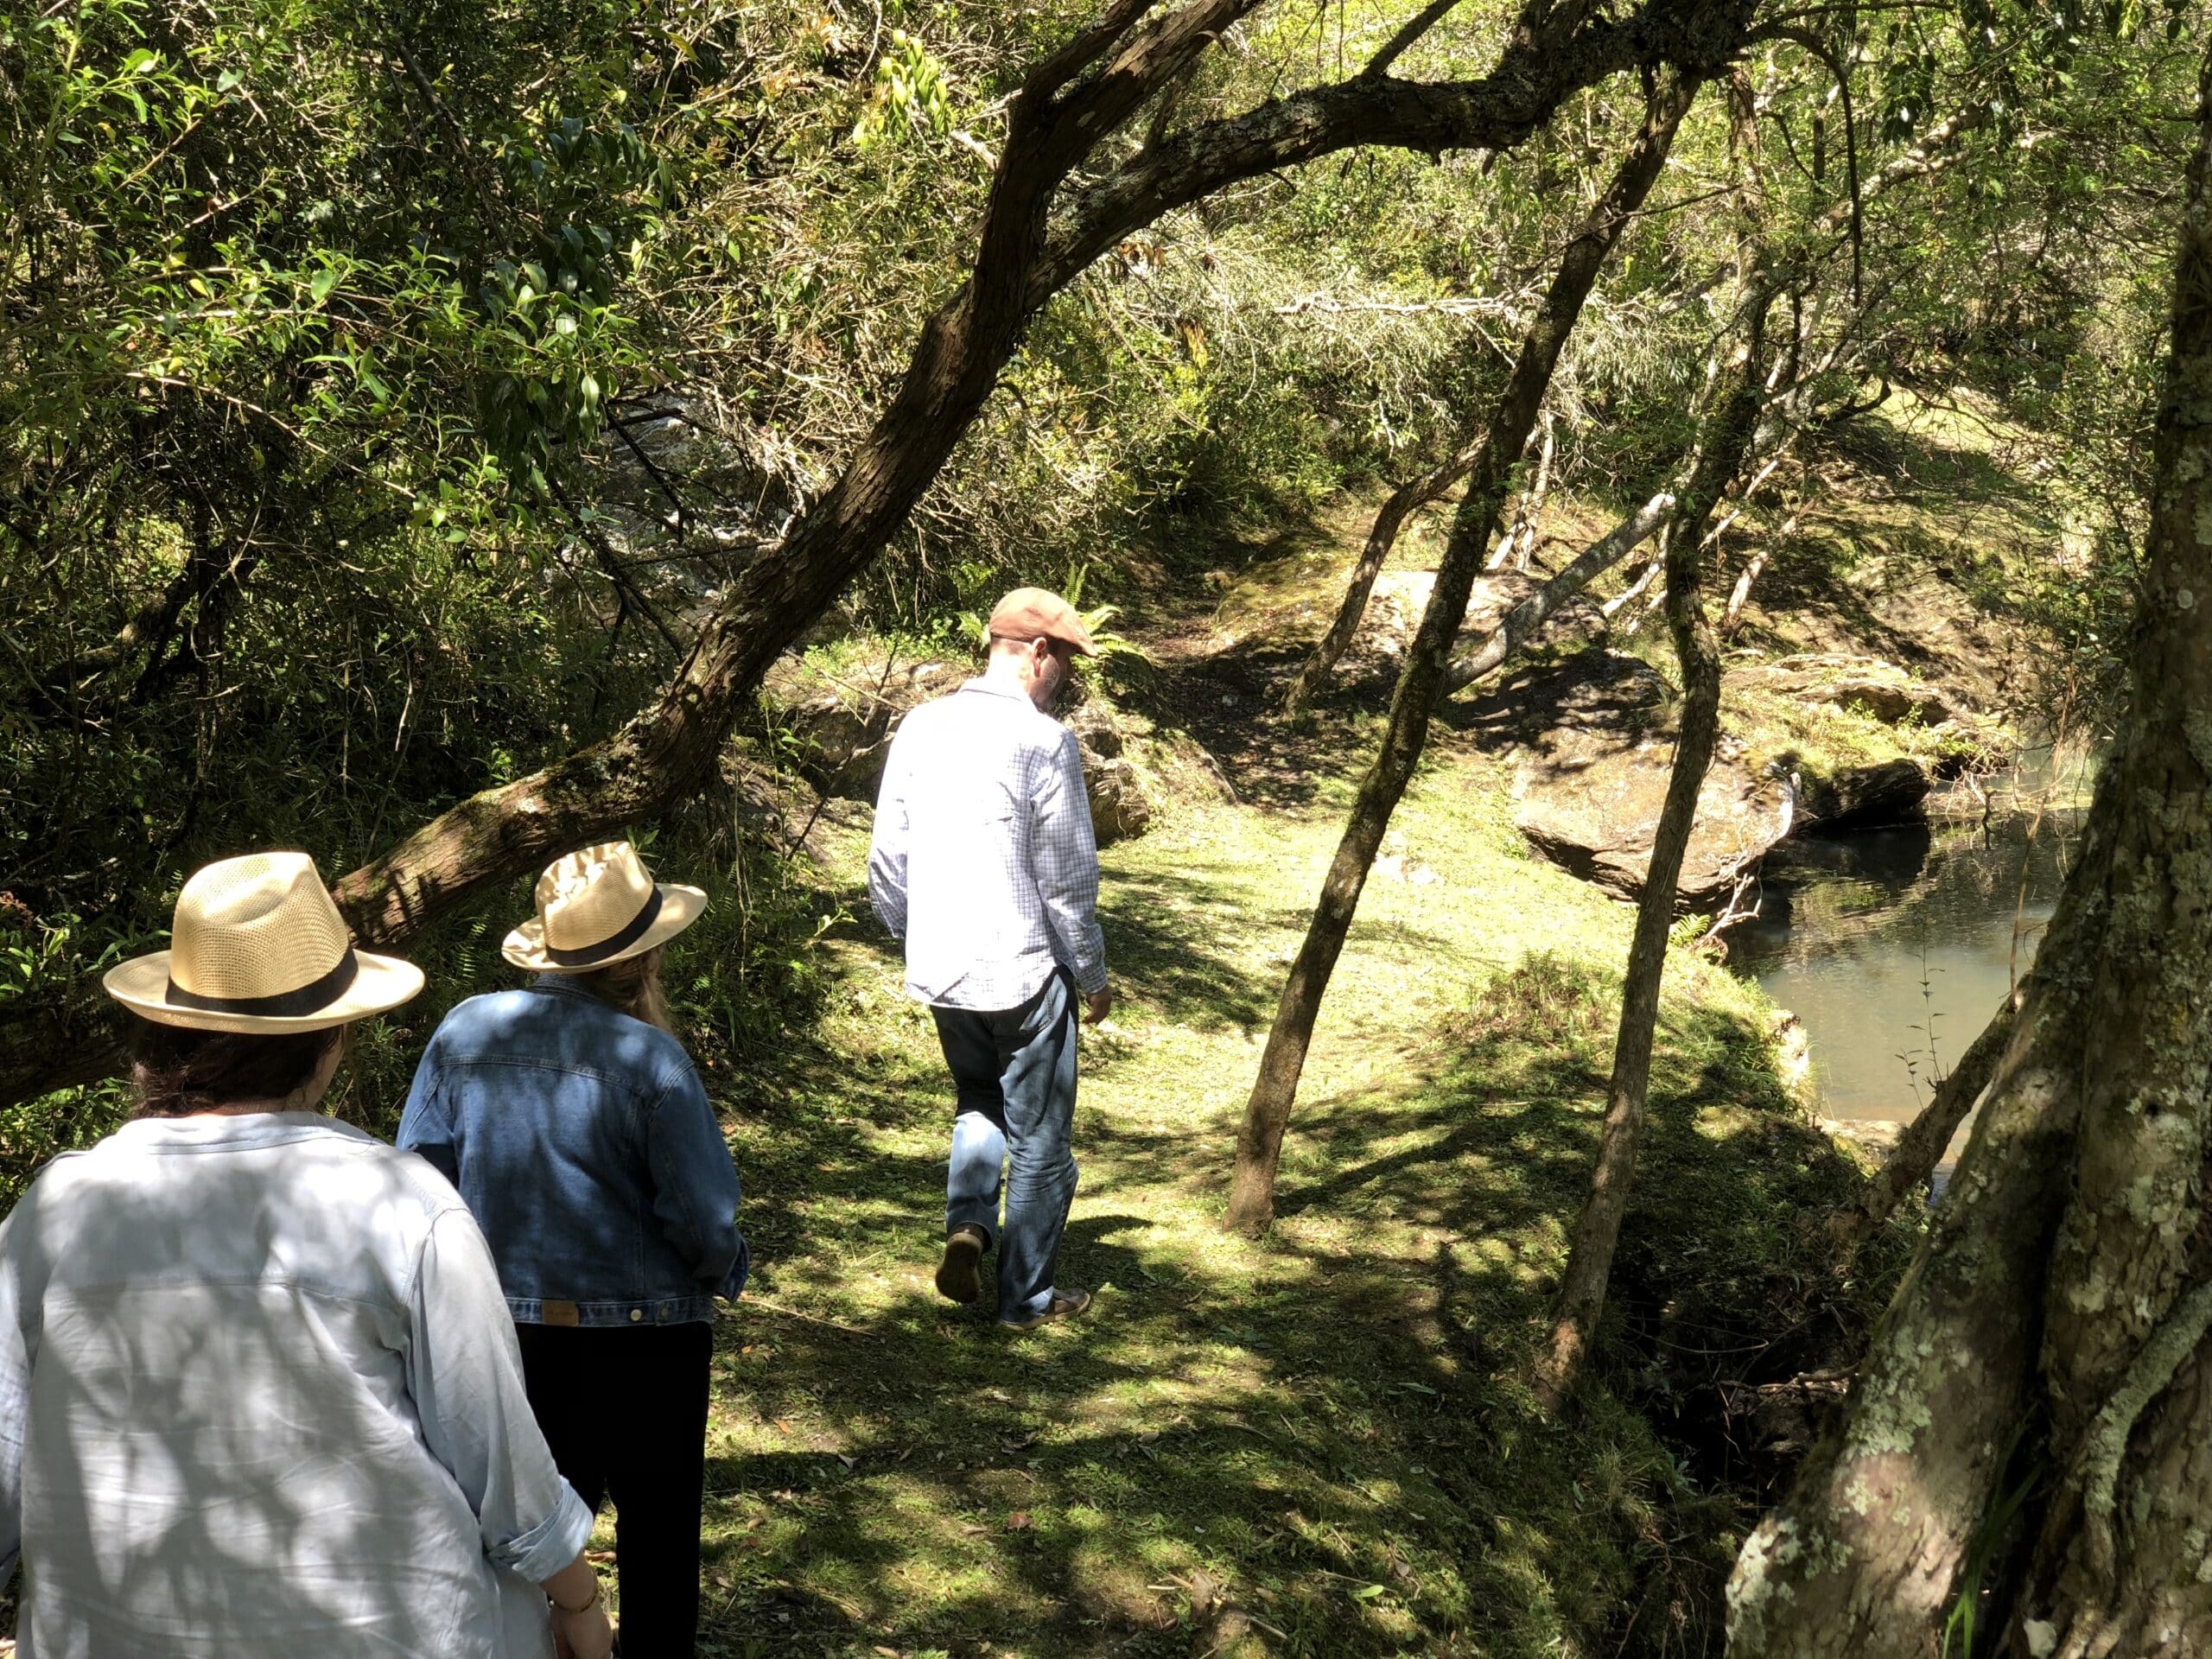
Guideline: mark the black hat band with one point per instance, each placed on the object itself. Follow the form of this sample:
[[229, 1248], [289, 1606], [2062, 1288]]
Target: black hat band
[[312, 998], [613, 944]]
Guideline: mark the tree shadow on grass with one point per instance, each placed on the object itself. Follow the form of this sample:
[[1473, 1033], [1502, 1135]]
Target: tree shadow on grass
[[1229, 704], [1583, 692], [1171, 938], [1321, 1445]]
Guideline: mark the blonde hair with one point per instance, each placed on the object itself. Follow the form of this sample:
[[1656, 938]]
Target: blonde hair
[[632, 987]]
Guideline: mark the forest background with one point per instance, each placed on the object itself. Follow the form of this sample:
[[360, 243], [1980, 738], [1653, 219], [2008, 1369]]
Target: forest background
[[513, 423]]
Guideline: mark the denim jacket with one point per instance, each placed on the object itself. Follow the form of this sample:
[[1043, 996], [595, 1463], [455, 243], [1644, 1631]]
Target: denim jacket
[[583, 1141]]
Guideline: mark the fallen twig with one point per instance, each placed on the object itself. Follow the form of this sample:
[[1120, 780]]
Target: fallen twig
[[750, 1300]]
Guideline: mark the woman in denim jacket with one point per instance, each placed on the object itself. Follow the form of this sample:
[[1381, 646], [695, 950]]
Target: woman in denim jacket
[[574, 1125]]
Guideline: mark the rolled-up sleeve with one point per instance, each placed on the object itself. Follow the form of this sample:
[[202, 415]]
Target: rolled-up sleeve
[[694, 1183], [1064, 854], [465, 1371]]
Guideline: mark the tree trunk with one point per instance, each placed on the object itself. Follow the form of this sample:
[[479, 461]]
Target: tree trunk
[[1731, 419], [1920, 1149], [1731, 619], [1259, 1143], [1031, 244], [1407, 499], [2051, 1329], [1519, 541]]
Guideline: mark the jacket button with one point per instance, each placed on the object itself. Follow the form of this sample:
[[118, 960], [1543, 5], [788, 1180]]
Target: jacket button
[[637, 1313]]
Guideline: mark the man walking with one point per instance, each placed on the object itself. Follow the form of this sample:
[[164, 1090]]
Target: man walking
[[984, 863]]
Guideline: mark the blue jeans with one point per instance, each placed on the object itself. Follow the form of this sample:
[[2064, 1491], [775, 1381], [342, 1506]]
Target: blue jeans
[[1013, 1075]]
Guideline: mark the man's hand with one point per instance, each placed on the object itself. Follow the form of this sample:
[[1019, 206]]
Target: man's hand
[[1098, 1005]]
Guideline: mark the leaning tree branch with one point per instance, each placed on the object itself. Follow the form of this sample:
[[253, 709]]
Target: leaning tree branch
[[1731, 422], [1566, 51], [1920, 1149], [1399, 43], [1520, 625]]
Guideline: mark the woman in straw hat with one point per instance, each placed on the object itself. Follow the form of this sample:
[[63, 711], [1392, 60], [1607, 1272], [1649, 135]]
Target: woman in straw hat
[[255, 1396], [575, 1125]]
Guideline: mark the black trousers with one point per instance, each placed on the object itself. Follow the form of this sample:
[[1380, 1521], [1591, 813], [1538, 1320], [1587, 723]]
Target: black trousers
[[625, 1411]]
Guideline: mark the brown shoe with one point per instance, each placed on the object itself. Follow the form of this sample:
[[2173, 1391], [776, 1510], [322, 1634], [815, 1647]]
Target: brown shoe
[[1065, 1305], [960, 1276]]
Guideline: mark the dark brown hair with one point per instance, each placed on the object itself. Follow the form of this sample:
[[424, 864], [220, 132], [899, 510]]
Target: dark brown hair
[[177, 1071], [632, 987]]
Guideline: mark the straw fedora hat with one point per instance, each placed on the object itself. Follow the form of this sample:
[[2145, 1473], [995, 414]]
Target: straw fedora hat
[[598, 906], [256, 944]]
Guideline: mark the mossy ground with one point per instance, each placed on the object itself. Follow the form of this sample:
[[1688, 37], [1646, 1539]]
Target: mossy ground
[[1320, 1443]]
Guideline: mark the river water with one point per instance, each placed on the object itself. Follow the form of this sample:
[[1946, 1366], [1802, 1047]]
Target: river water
[[1893, 946]]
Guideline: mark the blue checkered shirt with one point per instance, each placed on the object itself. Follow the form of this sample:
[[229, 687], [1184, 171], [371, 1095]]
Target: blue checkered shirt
[[983, 860]]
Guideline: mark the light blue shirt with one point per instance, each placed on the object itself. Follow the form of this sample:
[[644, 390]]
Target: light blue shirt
[[983, 859], [260, 1398]]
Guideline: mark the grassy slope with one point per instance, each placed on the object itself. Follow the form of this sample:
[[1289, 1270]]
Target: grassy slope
[[1322, 1441], [1318, 1443]]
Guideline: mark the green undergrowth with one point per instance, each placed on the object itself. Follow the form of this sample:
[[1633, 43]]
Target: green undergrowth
[[1320, 1443]]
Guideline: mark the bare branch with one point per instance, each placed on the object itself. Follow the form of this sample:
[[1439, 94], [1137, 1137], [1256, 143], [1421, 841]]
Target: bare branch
[[1045, 82], [1416, 26]]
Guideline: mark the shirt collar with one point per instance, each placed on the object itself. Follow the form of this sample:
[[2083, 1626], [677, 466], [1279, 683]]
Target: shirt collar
[[562, 985], [232, 1129], [989, 688]]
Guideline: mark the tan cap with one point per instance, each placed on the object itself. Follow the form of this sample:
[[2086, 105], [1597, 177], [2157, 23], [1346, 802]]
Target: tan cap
[[1032, 613]]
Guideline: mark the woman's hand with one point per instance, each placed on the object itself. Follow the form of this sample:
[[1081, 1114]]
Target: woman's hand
[[582, 1635], [579, 1626]]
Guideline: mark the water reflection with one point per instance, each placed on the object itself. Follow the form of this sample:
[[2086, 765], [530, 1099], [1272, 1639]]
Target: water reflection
[[1893, 946]]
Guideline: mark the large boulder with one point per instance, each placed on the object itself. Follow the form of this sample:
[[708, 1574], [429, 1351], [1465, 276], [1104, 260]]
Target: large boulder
[[1590, 804], [1119, 809], [1597, 743], [841, 725], [1595, 737], [1393, 611], [1864, 685], [1888, 791]]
